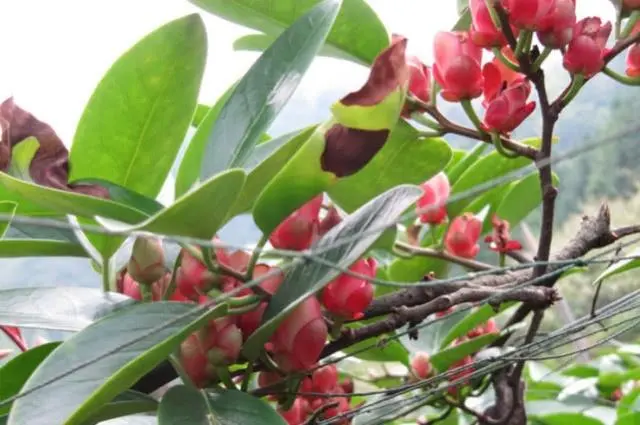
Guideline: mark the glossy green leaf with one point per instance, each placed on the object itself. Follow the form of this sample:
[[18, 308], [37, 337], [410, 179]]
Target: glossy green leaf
[[261, 42], [141, 419], [629, 408], [59, 308], [628, 419], [125, 404], [488, 168], [447, 357], [16, 371], [15, 248], [265, 162], [199, 213], [581, 370], [73, 203], [566, 418], [125, 196], [400, 161], [300, 179], [21, 156], [620, 266], [265, 89], [476, 318], [379, 350], [457, 155], [612, 380], [7, 210], [136, 120], [360, 230], [357, 32], [431, 335], [104, 366], [522, 198], [199, 114], [191, 162], [183, 405], [464, 21]]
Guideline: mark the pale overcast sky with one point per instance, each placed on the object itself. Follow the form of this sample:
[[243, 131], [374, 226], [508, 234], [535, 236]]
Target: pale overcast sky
[[55, 52]]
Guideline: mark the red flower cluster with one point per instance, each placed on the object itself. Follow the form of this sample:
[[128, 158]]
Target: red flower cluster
[[500, 240], [323, 380]]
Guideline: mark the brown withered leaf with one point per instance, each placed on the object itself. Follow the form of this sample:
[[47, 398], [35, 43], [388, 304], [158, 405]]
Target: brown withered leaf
[[50, 165], [348, 150], [388, 72]]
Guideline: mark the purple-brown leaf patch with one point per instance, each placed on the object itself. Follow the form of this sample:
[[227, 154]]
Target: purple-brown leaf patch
[[348, 150]]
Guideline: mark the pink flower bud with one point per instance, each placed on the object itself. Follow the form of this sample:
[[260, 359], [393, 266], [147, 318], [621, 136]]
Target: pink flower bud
[[295, 415], [556, 29], [300, 338], [250, 321], [194, 277], [226, 344], [633, 55], [483, 31], [325, 378], [298, 230], [457, 67], [160, 287], [421, 365], [347, 385], [528, 14], [130, 287], [585, 53], [462, 236], [431, 207], [491, 327], [146, 264], [5, 352], [337, 410], [348, 296], [460, 374], [193, 358], [419, 79], [509, 109]]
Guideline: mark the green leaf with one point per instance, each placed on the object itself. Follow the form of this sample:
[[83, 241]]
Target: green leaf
[[65, 202], [358, 32], [191, 162], [59, 308], [16, 371], [199, 114], [629, 419], [489, 167], [620, 266], [265, 89], [566, 418], [630, 403], [478, 317], [265, 162], [104, 367], [300, 179], [379, 349], [125, 196], [125, 404], [16, 248], [581, 370], [140, 419], [400, 161], [430, 337], [612, 380], [462, 6], [8, 209], [522, 198], [261, 42], [135, 122], [445, 358], [183, 405], [199, 213], [21, 156], [464, 22], [360, 229]]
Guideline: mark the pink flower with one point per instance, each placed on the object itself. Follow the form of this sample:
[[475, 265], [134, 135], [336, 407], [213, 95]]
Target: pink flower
[[585, 53], [483, 32], [250, 321], [500, 240], [329, 221], [509, 108], [296, 414], [528, 14], [457, 67], [633, 55], [556, 29], [431, 206], [462, 236], [300, 338], [324, 379], [297, 231], [419, 79], [348, 296], [421, 365]]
